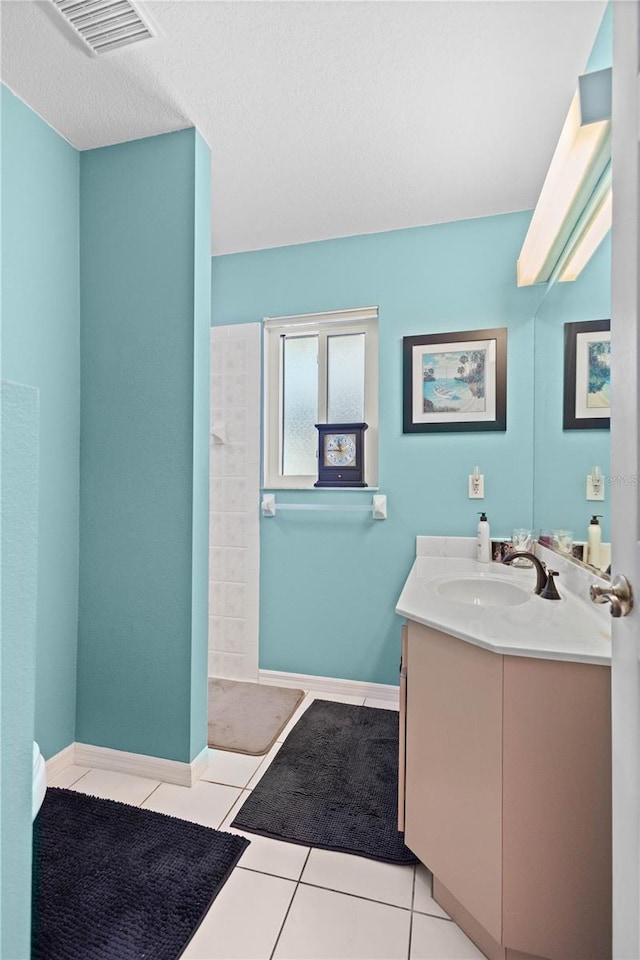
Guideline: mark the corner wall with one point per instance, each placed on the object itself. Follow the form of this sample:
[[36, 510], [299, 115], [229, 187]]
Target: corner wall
[[201, 388], [454, 276], [144, 471], [41, 347], [19, 429]]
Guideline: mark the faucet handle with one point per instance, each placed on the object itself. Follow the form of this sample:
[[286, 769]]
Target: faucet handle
[[550, 591]]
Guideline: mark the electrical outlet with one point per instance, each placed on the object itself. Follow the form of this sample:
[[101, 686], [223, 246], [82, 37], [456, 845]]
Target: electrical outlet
[[476, 487], [595, 487]]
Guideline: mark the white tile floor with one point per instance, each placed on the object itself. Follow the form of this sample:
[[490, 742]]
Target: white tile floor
[[284, 900]]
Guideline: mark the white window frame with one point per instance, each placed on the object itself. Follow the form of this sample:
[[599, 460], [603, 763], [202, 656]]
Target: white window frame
[[360, 320]]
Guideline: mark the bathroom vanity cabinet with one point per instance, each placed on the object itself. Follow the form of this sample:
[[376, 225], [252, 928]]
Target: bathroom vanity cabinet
[[505, 794]]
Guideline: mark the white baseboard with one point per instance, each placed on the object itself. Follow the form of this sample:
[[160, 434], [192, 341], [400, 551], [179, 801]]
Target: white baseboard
[[186, 774], [60, 761], [137, 764], [199, 765], [155, 768], [351, 688]]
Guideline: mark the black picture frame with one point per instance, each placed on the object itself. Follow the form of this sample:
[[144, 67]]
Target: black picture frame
[[417, 418], [577, 337]]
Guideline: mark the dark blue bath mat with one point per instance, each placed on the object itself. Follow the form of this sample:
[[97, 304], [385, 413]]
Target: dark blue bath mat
[[333, 784], [114, 882]]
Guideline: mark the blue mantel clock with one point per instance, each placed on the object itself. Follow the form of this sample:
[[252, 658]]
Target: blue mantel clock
[[340, 455]]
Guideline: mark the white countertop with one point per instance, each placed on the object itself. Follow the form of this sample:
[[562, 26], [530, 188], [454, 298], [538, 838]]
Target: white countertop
[[566, 629]]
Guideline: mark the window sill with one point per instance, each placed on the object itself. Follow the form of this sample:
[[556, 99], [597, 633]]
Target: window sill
[[273, 488]]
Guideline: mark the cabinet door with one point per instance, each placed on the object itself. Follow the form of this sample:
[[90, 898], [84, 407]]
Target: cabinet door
[[453, 800], [403, 727], [557, 808]]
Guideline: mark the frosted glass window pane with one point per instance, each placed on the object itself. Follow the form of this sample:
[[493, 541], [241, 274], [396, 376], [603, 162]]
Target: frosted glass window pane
[[346, 379], [300, 406]]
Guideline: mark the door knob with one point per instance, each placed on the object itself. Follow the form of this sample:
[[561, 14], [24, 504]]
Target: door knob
[[618, 595]]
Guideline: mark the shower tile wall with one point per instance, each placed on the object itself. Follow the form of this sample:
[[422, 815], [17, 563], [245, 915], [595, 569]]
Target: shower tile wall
[[234, 546]]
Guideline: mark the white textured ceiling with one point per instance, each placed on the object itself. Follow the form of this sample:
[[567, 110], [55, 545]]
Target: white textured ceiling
[[325, 118]]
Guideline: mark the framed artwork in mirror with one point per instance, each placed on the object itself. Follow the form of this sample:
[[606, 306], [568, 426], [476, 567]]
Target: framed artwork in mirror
[[455, 381], [587, 375]]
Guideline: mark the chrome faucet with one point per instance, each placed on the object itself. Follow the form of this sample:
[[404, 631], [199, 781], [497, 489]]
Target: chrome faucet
[[541, 570]]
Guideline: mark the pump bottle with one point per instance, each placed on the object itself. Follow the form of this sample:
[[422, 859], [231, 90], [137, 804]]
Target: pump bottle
[[594, 539], [484, 540]]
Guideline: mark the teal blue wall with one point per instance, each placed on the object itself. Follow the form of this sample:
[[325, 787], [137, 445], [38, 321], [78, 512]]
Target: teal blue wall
[[454, 276], [200, 509], [143, 408], [563, 458], [601, 55], [41, 346], [19, 427]]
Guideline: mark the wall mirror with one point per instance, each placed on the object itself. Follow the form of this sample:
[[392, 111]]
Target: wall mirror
[[571, 439], [564, 458]]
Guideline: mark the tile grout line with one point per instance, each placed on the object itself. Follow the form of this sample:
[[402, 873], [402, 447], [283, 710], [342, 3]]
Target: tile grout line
[[284, 920], [227, 812], [263, 873], [219, 827], [73, 782], [261, 765], [413, 900], [237, 831], [221, 783], [357, 896], [144, 800], [344, 893]]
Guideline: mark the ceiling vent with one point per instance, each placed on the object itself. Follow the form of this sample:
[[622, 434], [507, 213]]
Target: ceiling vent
[[105, 25]]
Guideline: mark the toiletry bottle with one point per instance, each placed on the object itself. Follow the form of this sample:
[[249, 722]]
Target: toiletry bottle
[[484, 540], [594, 538]]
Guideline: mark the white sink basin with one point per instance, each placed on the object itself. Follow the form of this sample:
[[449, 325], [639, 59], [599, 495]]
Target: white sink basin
[[483, 592]]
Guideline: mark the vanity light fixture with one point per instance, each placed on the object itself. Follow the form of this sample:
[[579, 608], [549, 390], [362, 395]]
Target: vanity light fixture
[[574, 202], [589, 234], [476, 485], [595, 485]]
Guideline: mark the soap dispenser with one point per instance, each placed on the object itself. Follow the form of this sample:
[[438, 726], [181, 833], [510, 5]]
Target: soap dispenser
[[484, 540], [594, 539]]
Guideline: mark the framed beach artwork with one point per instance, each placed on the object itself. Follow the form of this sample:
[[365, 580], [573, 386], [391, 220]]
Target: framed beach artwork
[[455, 381], [587, 375]]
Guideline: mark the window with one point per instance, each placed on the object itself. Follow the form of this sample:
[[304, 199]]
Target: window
[[319, 368]]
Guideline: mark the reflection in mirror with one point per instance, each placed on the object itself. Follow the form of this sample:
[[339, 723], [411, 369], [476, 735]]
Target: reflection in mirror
[[563, 459], [563, 497], [579, 554]]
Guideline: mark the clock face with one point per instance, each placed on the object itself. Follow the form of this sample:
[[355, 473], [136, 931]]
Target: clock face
[[340, 450]]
